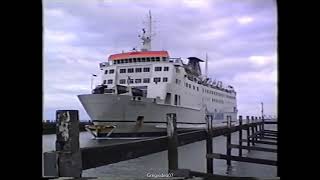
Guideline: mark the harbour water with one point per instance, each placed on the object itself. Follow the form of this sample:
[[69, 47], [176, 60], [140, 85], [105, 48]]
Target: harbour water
[[191, 156]]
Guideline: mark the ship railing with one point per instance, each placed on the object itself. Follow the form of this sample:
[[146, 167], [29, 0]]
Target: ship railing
[[219, 88]]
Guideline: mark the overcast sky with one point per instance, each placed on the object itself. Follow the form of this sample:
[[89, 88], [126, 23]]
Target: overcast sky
[[240, 37]]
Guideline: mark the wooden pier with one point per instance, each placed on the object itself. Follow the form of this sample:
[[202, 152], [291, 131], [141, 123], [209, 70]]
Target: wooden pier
[[69, 160]]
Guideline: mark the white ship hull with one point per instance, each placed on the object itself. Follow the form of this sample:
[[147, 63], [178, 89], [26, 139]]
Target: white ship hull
[[122, 111]]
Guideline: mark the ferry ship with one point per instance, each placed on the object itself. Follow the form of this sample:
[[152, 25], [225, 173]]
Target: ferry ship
[[138, 88]]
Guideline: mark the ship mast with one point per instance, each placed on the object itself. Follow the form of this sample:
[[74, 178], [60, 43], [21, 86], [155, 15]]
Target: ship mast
[[150, 27], [146, 38]]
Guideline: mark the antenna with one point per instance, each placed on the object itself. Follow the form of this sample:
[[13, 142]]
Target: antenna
[[206, 69], [150, 26], [146, 38]]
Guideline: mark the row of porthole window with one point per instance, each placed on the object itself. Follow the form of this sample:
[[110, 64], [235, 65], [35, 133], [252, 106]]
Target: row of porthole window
[[217, 101], [231, 97], [137, 70], [214, 100], [212, 92], [146, 69], [193, 86], [131, 81], [204, 90]]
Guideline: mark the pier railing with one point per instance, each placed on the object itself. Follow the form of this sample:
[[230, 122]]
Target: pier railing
[[69, 160]]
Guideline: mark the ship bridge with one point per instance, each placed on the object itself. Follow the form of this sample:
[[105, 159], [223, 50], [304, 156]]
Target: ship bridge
[[139, 56]]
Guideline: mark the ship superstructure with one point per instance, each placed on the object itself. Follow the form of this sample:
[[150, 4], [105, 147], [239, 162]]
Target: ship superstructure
[[142, 86]]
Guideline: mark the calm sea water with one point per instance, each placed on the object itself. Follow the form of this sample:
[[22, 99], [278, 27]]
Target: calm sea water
[[191, 156]]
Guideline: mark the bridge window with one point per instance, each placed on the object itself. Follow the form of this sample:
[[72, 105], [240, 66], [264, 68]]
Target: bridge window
[[186, 84], [130, 60], [134, 60], [146, 69], [194, 87], [190, 86], [165, 79], [121, 61], [122, 70], [130, 70], [104, 81], [164, 58], [138, 70], [137, 81], [157, 59], [148, 59], [126, 61], [130, 81], [157, 68], [139, 60], [152, 59], [146, 80], [197, 88], [106, 72], [166, 68], [122, 81], [111, 71], [157, 79], [110, 81], [143, 59]]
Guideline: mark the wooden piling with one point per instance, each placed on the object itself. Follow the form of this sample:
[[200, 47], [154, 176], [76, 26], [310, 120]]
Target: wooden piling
[[252, 131], [240, 136], [248, 131], [262, 125], [228, 144], [256, 126], [229, 121], [67, 143], [172, 142], [209, 144]]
